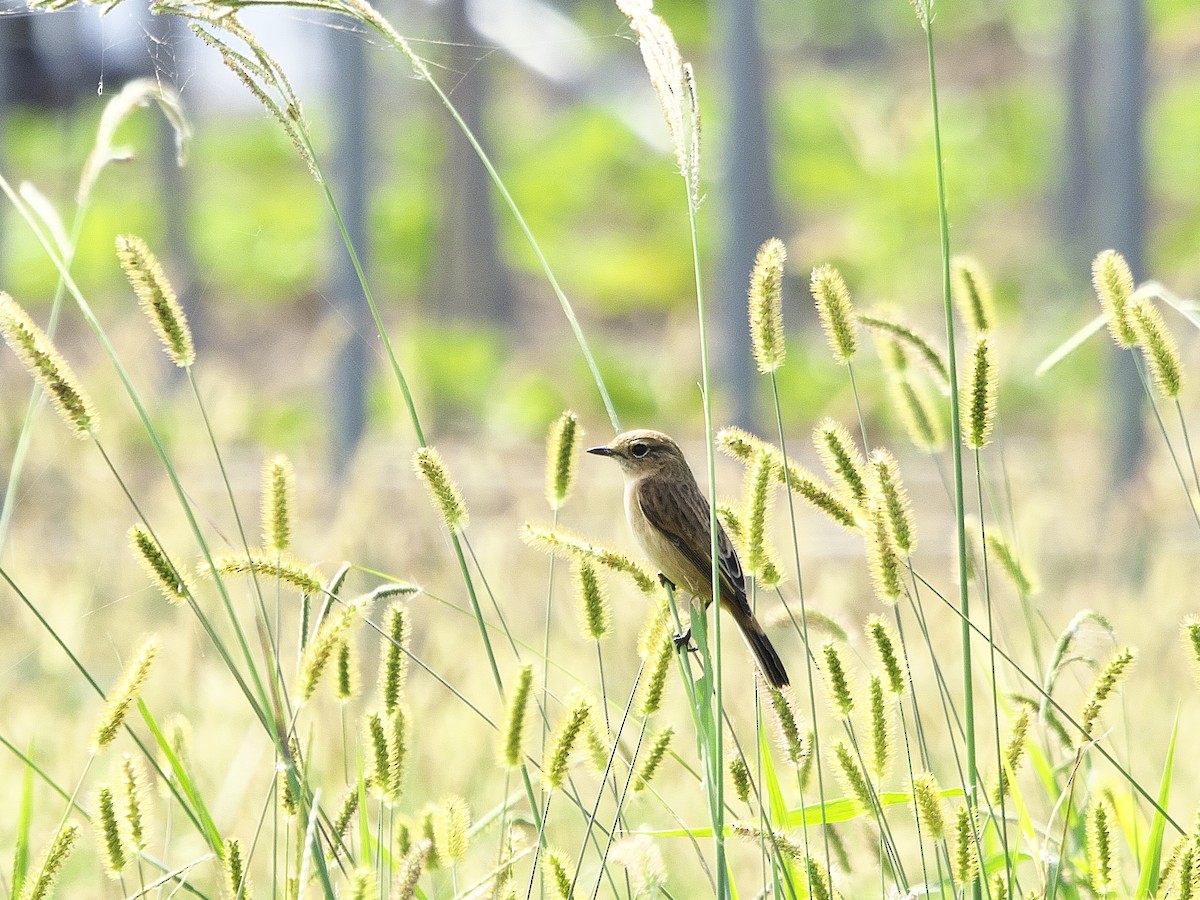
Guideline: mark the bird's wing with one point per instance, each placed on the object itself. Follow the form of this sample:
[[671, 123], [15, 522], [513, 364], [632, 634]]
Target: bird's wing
[[682, 515]]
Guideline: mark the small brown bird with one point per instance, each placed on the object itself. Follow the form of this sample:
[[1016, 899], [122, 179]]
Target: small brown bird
[[670, 519]]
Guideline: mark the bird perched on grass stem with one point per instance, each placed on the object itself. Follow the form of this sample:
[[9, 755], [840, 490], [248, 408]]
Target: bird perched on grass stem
[[670, 519]]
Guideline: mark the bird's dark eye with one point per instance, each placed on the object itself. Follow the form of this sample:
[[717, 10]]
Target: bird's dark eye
[[639, 450]]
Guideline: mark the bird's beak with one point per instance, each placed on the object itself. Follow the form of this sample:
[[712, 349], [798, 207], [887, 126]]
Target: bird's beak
[[602, 451]]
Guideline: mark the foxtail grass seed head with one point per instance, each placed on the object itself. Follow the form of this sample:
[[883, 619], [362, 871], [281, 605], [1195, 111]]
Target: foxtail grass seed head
[[512, 738], [560, 874], [564, 543], [1014, 752], [445, 493], [398, 753], [766, 312], [643, 862], [654, 630], [171, 581], [894, 336], [157, 299], [560, 459], [1013, 564], [124, 694], [563, 742], [732, 523], [804, 774], [654, 758], [1111, 676], [598, 748], [346, 811], [1101, 848], [42, 885], [133, 783], [972, 294], [289, 571], [886, 569], [658, 665], [920, 417], [836, 682], [394, 673], [595, 613], [966, 853], [979, 396], [1159, 347], [410, 870], [832, 297], [931, 808], [319, 651], [47, 367], [237, 880], [1191, 637], [787, 726], [362, 884], [433, 859], [881, 729], [380, 754], [739, 774], [108, 833], [842, 460], [347, 672], [758, 557], [895, 669], [894, 497], [852, 776], [451, 823], [1114, 286], [279, 489], [1187, 873]]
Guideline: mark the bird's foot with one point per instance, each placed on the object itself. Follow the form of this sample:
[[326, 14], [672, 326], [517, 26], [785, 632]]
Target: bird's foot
[[666, 582], [683, 640]]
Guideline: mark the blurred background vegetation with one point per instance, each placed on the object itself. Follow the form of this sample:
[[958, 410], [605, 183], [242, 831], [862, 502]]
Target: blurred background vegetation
[[1069, 127]]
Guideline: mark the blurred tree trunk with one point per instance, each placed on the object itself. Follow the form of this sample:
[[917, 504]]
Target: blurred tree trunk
[[748, 196], [1104, 192], [348, 98], [470, 279]]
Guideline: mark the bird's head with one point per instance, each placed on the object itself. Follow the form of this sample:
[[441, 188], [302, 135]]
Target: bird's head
[[643, 452]]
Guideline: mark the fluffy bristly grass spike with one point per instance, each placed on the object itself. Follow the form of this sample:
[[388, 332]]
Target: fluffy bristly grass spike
[[881, 728], [904, 335], [124, 694], [563, 742], [512, 737], [658, 662], [393, 673], [739, 774], [787, 725], [347, 672], [1014, 565], [42, 885], [362, 884], [643, 863], [409, 872], [47, 367], [1191, 638], [321, 649], [766, 313], [1101, 848], [841, 457], [108, 833], [837, 684], [1110, 677], [1014, 752], [918, 414], [133, 783], [172, 583], [832, 298], [287, 570], [279, 490], [1114, 287], [377, 741], [931, 808], [895, 668], [979, 396], [451, 824], [560, 875], [972, 294], [560, 458], [568, 545], [237, 881], [1158, 346], [852, 776], [894, 496], [885, 565], [654, 757], [595, 613], [758, 519], [445, 493], [157, 299], [966, 854]]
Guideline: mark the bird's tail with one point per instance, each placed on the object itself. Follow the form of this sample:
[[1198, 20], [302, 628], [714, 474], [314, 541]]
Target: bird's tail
[[768, 660]]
